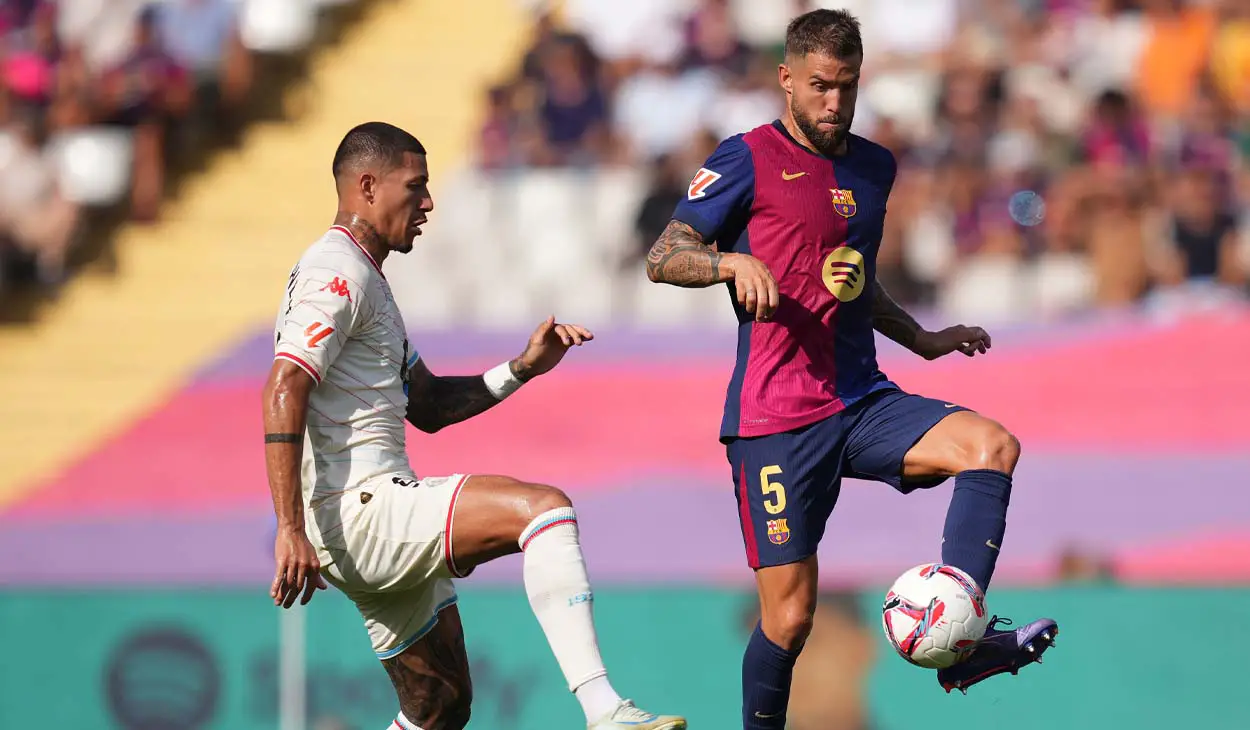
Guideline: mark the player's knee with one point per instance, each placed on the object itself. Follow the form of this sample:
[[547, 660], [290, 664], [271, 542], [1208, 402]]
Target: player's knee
[[789, 624], [544, 498], [995, 448]]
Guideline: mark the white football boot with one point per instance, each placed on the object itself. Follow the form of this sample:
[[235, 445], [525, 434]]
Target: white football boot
[[628, 717]]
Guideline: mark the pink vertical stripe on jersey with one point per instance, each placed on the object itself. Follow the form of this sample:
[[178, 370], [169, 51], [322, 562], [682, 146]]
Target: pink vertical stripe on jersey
[[748, 526], [798, 339]]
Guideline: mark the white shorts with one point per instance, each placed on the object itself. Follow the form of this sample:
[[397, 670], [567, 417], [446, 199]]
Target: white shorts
[[387, 546]]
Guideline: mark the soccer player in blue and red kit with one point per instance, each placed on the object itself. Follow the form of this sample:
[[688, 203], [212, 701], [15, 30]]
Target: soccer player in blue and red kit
[[790, 216]]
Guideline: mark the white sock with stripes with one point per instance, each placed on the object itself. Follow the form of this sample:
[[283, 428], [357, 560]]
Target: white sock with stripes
[[559, 592], [402, 723]]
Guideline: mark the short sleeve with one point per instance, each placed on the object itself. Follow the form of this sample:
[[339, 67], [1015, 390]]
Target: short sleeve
[[891, 166], [324, 308], [722, 190]]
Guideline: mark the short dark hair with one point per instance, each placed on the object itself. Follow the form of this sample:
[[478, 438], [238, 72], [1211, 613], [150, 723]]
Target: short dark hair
[[374, 142], [832, 33]]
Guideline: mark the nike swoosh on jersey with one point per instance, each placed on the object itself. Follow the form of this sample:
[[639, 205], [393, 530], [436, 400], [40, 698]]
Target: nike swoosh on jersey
[[787, 176]]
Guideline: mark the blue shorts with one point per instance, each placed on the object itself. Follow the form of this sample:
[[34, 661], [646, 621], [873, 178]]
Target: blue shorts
[[788, 483]]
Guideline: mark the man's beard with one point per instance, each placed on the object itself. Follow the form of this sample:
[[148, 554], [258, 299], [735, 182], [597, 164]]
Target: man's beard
[[827, 143]]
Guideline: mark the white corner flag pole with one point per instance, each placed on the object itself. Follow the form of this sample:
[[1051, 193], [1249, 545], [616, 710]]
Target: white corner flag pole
[[291, 668]]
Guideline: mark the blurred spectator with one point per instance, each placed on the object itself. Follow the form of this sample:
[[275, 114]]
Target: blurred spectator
[[1103, 108], [667, 188], [1206, 140], [1177, 48], [1116, 136], [34, 215], [145, 92], [1230, 54], [498, 136], [1105, 45], [202, 36], [619, 31], [571, 108], [748, 99], [1077, 565], [547, 35], [1200, 243], [685, 99], [168, 75], [32, 51], [1110, 218], [712, 41]]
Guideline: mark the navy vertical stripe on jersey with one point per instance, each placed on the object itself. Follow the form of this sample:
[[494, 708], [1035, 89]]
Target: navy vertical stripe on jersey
[[719, 211]]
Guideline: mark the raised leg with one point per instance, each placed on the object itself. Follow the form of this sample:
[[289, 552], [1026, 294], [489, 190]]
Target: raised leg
[[496, 516], [981, 455]]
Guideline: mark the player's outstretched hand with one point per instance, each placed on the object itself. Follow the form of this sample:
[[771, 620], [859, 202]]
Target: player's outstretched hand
[[968, 340], [755, 285], [298, 569], [547, 347]]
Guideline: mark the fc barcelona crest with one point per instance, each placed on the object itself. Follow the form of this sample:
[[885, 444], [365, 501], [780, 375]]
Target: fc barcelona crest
[[843, 202], [778, 532]]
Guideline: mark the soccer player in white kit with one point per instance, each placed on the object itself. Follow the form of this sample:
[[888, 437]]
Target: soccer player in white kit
[[344, 380]]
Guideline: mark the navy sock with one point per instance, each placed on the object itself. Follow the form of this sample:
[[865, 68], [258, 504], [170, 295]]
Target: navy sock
[[766, 673], [975, 523]]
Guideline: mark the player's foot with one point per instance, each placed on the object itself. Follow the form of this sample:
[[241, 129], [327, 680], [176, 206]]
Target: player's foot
[[1001, 651], [628, 717]]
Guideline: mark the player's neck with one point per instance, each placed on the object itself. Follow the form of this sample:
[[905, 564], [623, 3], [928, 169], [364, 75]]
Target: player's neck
[[797, 135], [365, 234]]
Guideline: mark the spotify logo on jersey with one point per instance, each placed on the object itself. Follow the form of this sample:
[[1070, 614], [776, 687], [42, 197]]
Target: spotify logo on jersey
[[844, 273]]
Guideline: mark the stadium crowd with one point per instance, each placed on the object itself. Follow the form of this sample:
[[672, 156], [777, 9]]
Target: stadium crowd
[[1129, 119], [104, 85]]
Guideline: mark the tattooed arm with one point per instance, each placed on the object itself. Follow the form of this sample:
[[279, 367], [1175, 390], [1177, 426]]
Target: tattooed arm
[[435, 402], [681, 258], [894, 322]]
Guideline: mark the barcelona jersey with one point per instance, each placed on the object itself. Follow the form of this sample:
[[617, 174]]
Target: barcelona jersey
[[816, 223]]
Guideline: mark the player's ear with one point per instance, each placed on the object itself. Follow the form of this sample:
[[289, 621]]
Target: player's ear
[[785, 78], [368, 186]]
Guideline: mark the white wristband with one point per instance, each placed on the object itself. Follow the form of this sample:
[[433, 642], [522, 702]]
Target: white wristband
[[501, 382]]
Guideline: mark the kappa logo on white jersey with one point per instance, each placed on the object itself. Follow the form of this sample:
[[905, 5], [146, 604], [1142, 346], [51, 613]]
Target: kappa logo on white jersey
[[701, 181]]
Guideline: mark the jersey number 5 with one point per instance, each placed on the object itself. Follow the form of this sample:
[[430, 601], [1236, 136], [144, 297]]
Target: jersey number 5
[[774, 492]]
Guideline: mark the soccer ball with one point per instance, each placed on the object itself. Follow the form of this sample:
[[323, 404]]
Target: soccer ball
[[933, 615]]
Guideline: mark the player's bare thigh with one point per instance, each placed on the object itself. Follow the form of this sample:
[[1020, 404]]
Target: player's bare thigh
[[492, 512], [431, 677], [963, 440]]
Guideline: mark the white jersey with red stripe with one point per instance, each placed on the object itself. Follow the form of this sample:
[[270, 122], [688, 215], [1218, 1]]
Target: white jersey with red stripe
[[340, 324]]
